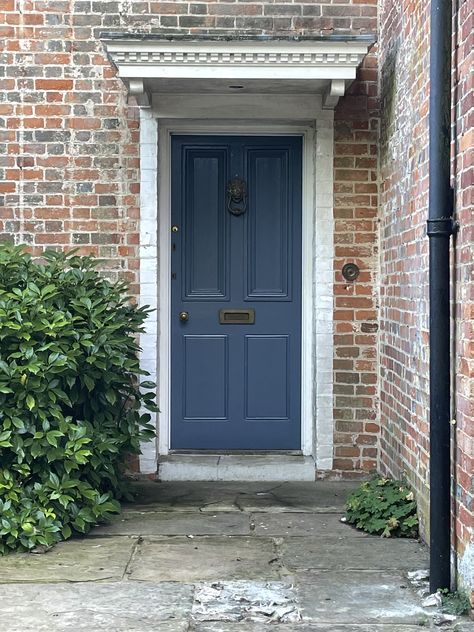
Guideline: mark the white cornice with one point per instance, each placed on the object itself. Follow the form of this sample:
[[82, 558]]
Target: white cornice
[[335, 62], [198, 55]]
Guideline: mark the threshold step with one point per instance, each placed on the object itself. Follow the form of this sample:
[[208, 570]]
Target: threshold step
[[209, 467]]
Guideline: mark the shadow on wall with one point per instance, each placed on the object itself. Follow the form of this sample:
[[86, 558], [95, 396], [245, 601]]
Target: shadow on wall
[[388, 91]]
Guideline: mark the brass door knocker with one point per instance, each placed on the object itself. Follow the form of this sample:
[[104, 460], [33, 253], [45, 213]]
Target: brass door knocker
[[237, 196]]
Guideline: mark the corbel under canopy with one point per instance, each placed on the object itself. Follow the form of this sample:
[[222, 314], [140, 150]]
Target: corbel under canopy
[[161, 68]]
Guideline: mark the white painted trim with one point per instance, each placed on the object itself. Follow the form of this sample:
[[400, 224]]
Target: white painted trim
[[164, 201], [323, 283], [148, 253], [250, 59], [293, 73], [317, 345], [307, 300], [294, 107]]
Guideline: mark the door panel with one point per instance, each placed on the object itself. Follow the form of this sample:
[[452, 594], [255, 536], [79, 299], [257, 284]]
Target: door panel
[[236, 385], [268, 229], [204, 226], [205, 373], [266, 392]]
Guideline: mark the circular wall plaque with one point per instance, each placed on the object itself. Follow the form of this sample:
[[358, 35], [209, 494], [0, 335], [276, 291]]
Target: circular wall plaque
[[350, 271]]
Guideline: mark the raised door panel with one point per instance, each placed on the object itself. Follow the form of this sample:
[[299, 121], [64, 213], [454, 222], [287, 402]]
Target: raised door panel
[[268, 225], [205, 252], [267, 377], [205, 377]]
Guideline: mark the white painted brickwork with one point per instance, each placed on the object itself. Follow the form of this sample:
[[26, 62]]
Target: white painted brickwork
[[149, 260]]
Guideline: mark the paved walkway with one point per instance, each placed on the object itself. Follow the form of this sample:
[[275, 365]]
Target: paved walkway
[[221, 557]]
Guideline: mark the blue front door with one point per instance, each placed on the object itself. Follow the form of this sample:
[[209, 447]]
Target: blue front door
[[236, 293]]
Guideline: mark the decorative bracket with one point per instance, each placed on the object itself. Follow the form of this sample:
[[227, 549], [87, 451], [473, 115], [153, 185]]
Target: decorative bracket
[[335, 91], [136, 88]]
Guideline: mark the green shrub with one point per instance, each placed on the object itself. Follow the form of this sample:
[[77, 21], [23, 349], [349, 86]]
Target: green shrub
[[385, 507], [457, 602], [71, 407]]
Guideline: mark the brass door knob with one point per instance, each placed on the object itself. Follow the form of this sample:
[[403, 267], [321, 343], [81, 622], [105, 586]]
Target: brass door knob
[[184, 317]]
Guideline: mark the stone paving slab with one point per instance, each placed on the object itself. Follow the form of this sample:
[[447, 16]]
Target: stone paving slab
[[125, 606], [353, 553], [203, 559], [358, 597], [185, 496], [177, 523], [136, 584], [79, 560], [317, 497], [320, 496], [303, 524]]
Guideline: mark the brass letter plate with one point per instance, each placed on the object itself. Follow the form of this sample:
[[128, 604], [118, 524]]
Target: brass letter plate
[[237, 316]]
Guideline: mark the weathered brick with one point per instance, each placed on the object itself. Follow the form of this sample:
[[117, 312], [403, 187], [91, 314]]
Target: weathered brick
[[403, 156]]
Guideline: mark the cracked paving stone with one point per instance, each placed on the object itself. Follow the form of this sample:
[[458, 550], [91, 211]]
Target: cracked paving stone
[[343, 553], [79, 560], [177, 523], [199, 559], [124, 606]]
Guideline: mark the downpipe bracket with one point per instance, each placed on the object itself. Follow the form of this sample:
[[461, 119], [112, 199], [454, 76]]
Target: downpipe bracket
[[442, 227]]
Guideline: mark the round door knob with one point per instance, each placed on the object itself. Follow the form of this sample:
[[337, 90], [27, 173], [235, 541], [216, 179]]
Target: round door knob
[[183, 317]]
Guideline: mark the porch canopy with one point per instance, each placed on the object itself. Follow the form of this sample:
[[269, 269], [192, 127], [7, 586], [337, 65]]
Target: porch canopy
[[160, 70]]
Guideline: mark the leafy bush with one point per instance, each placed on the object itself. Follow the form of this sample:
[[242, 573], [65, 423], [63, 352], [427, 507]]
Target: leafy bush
[[70, 399], [385, 507]]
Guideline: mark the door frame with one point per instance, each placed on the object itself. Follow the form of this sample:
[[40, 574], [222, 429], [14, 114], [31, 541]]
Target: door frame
[[317, 271]]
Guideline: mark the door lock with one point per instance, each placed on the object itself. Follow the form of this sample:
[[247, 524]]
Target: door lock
[[184, 317]]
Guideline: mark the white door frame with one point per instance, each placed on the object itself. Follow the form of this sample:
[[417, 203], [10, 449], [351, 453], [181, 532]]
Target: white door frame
[[317, 267]]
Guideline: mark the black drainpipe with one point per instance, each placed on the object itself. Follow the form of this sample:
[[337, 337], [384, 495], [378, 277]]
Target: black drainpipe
[[440, 229]]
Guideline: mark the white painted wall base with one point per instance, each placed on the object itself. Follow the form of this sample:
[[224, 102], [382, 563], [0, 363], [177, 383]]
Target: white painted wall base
[[279, 467]]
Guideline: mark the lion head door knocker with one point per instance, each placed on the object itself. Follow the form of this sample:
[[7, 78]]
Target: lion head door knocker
[[236, 196]]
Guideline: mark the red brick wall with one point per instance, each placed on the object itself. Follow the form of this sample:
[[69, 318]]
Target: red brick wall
[[463, 181], [70, 166], [69, 143], [68, 140], [403, 151], [355, 240]]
